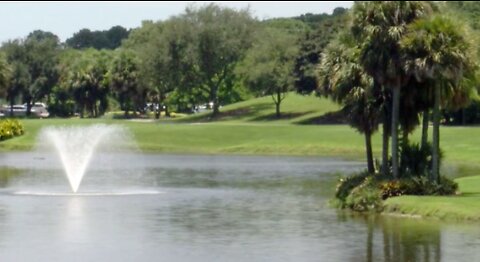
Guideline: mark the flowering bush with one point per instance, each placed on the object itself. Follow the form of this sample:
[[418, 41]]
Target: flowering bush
[[10, 128]]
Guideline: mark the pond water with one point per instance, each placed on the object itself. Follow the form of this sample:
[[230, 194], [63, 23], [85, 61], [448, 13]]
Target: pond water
[[137, 207]]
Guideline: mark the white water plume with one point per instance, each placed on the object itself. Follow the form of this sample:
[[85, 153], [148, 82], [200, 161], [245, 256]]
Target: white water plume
[[76, 145]]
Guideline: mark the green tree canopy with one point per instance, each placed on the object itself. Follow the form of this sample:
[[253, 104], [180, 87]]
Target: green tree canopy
[[267, 68]]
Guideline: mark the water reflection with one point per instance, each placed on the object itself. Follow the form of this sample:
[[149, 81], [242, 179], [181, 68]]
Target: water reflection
[[401, 239]]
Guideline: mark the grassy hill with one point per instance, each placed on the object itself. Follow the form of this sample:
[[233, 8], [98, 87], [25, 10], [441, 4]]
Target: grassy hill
[[295, 109]]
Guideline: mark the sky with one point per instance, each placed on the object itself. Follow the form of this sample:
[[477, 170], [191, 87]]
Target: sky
[[17, 19]]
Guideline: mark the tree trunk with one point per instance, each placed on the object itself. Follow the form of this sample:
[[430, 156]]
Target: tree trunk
[[215, 108], [425, 129], [82, 109], [368, 147], [436, 135], [12, 103], [277, 104], [395, 116], [29, 107], [277, 110], [156, 107], [385, 141], [167, 112], [214, 99]]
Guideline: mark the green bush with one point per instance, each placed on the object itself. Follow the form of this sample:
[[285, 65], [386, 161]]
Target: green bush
[[416, 160], [365, 197], [422, 186], [10, 128], [347, 184]]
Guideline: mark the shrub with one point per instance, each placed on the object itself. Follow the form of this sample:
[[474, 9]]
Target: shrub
[[10, 128], [391, 189], [365, 197], [417, 186], [347, 184], [416, 160], [422, 186]]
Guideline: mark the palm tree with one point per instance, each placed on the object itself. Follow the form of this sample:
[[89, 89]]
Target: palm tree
[[124, 80], [437, 50], [4, 72], [343, 80], [379, 26]]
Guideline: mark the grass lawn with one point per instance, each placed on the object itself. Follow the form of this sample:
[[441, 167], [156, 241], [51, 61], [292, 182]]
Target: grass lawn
[[465, 206], [266, 138], [295, 109], [217, 138]]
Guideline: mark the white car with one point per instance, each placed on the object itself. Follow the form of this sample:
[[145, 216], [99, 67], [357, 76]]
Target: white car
[[37, 110], [40, 110], [16, 110]]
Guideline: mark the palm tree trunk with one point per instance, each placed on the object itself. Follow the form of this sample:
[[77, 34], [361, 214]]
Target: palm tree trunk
[[395, 116], [385, 141], [425, 129], [368, 147], [436, 135]]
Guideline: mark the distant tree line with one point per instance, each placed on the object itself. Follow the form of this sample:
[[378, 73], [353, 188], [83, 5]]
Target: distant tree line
[[107, 39]]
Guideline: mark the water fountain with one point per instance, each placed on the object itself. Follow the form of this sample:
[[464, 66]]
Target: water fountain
[[76, 145]]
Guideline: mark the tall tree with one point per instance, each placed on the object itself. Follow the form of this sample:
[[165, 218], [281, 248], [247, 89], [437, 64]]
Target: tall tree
[[438, 51], [124, 80], [221, 37], [343, 79], [324, 28], [267, 67], [85, 75], [5, 72], [42, 50], [34, 61], [379, 27]]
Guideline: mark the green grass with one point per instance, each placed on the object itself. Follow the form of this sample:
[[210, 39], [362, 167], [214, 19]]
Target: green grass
[[295, 109], [465, 206], [217, 138], [459, 144]]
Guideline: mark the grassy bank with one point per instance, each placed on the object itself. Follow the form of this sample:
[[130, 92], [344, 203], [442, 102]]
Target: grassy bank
[[465, 206]]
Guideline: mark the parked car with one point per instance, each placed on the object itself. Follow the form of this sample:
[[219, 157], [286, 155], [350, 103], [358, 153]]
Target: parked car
[[37, 110], [16, 110]]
